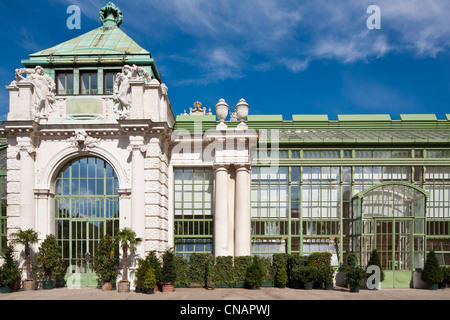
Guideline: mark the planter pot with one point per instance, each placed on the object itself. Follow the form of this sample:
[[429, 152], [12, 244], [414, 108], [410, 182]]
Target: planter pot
[[48, 284], [5, 289], [148, 291], [309, 285], [329, 286], [239, 285], [123, 286], [354, 288], [432, 286], [107, 286], [167, 287], [29, 285]]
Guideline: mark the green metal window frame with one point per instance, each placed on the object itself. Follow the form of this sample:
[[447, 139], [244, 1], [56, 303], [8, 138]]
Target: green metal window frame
[[91, 87], [86, 208], [113, 74], [355, 176], [62, 78], [193, 210]]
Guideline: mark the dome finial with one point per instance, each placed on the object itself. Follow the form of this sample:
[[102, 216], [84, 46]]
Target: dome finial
[[110, 15]]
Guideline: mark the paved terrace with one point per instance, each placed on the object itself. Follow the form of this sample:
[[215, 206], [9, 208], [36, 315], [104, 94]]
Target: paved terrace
[[237, 294]]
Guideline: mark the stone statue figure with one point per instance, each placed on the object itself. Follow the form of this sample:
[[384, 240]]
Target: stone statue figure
[[122, 88], [44, 91]]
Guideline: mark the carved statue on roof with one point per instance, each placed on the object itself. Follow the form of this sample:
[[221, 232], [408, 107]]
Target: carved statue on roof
[[43, 93], [122, 88]]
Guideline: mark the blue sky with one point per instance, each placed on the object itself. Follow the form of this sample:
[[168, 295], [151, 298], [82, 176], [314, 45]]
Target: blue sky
[[282, 56]]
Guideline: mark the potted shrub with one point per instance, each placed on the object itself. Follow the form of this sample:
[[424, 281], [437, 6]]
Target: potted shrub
[[375, 260], [353, 277], [255, 273], [26, 238], [168, 274], [9, 271], [432, 272], [149, 284], [128, 241], [307, 275], [326, 276], [106, 261], [281, 278], [49, 262], [446, 277]]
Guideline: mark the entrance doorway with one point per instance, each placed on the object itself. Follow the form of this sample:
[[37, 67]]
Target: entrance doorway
[[391, 219], [86, 208], [393, 240]]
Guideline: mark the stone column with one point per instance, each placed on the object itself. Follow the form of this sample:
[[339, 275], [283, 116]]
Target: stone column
[[242, 212], [27, 208], [137, 191], [221, 211]]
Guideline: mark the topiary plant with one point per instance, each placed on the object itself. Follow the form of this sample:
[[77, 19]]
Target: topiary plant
[[255, 273], [106, 259], [10, 271], [281, 276], [149, 282], [375, 260], [49, 261], [168, 274], [432, 272]]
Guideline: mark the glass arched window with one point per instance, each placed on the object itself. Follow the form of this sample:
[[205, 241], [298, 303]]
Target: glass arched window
[[86, 208]]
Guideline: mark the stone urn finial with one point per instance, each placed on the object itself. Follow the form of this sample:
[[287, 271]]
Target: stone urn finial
[[242, 113], [222, 113]]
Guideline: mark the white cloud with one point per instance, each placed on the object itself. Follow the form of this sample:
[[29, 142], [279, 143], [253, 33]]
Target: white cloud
[[229, 38]]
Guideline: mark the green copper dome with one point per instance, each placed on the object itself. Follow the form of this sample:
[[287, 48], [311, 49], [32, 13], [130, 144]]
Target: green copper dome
[[106, 45]]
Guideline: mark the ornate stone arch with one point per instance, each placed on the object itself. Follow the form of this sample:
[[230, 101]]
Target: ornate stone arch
[[60, 159]]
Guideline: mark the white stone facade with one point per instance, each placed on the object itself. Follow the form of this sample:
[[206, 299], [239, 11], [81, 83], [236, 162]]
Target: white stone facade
[[141, 146]]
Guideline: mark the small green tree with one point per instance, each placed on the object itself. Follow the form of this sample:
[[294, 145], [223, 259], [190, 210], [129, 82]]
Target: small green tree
[[49, 260], [375, 260], [10, 271], [106, 259], [282, 276], [168, 273], [149, 280], [27, 238], [255, 273], [128, 240], [432, 271]]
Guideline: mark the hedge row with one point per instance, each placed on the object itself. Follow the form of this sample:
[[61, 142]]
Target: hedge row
[[204, 270]]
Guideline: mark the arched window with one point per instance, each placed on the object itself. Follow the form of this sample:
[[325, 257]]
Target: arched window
[[86, 208]]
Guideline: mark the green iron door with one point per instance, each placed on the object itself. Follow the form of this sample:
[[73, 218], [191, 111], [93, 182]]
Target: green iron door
[[86, 208], [393, 243]]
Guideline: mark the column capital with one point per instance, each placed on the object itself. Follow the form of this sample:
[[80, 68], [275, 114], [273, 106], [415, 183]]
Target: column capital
[[27, 148], [242, 166], [221, 167], [137, 146]]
